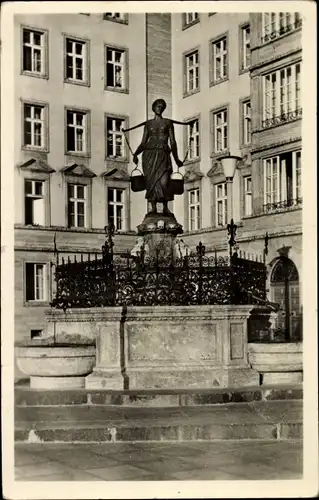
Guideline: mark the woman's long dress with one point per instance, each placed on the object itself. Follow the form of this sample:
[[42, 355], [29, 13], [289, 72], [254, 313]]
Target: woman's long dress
[[156, 161]]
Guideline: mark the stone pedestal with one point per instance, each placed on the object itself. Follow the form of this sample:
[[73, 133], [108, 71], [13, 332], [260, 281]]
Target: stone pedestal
[[278, 363], [172, 347], [159, 223], [158, 232]]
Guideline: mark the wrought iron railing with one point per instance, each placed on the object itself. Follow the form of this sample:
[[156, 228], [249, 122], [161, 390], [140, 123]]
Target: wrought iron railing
[[282, 31], [281, 205], [120, 279], [283, 118]]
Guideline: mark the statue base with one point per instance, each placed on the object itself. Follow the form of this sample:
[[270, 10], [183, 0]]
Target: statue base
[[158, 232], [159, 223]]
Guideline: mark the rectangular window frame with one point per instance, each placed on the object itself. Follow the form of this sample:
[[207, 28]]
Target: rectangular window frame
[[34, 196], [187, 22], [87, 132], [213, 80], [116, 204], [46, 283], [44, 73], [125, 124], [275, 181], [245, 61], [278, 24], [281, 103], [247, 195], [245, 119], [77, 201], [86, 60], [197, 209], [223, 200], [45, 126], [186, 55], [213, 114], [121, 20], [124, 65], [191, 158]]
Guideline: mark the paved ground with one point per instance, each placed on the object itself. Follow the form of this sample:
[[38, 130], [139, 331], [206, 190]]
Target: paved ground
[[247, 460]]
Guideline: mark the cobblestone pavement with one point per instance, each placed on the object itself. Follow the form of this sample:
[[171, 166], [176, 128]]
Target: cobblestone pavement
[[155, 461]]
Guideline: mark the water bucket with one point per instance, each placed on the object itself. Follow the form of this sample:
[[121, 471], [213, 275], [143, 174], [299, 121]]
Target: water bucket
[[137, 180], [176, 183]]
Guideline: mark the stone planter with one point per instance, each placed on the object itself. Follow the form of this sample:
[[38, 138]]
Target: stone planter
[[277, 362], [56, 366]]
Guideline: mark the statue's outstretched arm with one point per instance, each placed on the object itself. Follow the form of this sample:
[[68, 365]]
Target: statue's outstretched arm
[[132, 128], [183, 123]]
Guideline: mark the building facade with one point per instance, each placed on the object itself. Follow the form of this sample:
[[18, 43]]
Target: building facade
[[239, 76], [80, 78]]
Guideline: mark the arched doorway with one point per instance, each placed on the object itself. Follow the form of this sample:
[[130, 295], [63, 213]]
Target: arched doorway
[[285, 291]]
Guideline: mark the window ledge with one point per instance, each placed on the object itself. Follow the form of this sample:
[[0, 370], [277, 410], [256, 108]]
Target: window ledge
[[117, 159], [293, 208], [36, 303], [191, 161], [84, 83], [78, 155], [213, 83], [115, 20], [242, 71], [215, 156], [43, 76], [245, 147], [189, 25], [278, 37], [65, 229], [280, 123], [191, 92], [37, 149], [116, 89]]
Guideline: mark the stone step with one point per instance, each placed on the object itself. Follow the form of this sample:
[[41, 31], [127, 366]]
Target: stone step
[[25, 396], [289, 411], [264, 420]]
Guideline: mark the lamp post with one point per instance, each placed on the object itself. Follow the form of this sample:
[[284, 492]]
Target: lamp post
[[229, 164]]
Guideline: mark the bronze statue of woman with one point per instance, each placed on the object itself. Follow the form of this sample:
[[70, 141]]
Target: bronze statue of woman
[[156, 159]]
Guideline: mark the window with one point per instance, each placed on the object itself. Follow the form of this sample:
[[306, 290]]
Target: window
[[247, 196], [35, 282], [276, 24], [116, 208], [34, 51], [221, 204], [34, 126], [282, 95], [76, 60], [115, 16], [114, 137], [194, 209], [115, 68], [192, 72], [190, 18], [282, 181], [77, 197], [220, 131], [245, 50], [34, 203], [193, 140], [76, 136], [246, 110], [219, 60]]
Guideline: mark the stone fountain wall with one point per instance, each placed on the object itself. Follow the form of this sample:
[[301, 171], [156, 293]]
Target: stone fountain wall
[[164, 347]]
